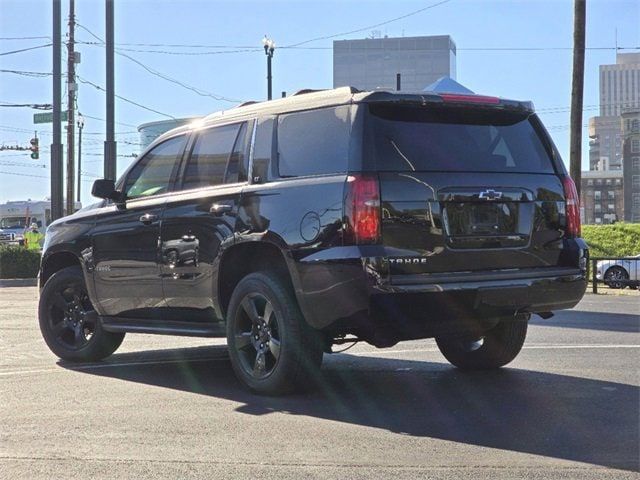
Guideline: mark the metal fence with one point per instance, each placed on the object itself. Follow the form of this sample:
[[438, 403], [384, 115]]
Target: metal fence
[[622, 272]]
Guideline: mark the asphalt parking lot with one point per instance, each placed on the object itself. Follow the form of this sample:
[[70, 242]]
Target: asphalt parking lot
[[168, 407]]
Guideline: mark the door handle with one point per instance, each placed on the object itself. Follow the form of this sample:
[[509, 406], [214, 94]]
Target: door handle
[[220, 208], [148, 218]]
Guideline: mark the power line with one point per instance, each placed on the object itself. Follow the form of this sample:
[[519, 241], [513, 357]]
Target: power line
[[26, 49], [25, 38], [36, 106], [152, 71], [98, 87], [410, 14], [27, 73]]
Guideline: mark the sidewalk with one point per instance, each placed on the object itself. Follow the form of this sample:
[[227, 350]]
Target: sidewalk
[[18, 282]]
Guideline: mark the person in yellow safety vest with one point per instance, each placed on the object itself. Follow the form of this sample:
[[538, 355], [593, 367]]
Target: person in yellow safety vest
[[33, 237]]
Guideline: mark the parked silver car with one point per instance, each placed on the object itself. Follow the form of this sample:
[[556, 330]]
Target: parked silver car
[[619, 273]]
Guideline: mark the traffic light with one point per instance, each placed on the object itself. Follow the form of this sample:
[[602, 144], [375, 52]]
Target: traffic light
[[35, 148]]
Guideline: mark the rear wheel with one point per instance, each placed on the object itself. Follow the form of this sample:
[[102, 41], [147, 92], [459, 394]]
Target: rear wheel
[[616, 277], [272, 349], [68, 321], [493, 349]]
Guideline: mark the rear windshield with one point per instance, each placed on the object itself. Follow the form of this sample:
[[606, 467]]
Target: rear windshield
[[405, 138]]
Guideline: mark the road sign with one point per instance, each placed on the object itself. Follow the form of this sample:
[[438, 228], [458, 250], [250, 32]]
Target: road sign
[[47, 117]]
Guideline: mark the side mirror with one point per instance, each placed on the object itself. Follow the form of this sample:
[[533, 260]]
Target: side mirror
[[104, 188]]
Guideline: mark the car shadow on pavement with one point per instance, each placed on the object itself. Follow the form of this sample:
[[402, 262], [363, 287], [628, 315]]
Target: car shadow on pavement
[[612, 322], [553, 415]]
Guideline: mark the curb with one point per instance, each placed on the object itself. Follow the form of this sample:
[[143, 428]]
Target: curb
[[18, 282]]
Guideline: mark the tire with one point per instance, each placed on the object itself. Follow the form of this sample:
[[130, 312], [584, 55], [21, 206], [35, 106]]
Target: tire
[[272, 349], [616, 277], [68, 321], [494, 349]]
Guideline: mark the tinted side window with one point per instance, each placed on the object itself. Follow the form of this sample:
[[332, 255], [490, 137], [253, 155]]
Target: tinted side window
[[152, 174], [209, 157], [237, 169], [314, 142]]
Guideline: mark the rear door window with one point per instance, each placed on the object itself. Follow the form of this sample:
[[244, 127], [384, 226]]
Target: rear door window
[[454, 139], [314, 142], [207, 164]]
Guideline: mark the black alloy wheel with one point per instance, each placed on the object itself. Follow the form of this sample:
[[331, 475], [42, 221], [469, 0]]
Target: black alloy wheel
[[273, 350], [72, 319], [69, 322], [257, 335], [495, 348]]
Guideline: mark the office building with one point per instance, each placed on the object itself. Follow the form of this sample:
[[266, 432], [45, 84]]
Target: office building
[[601, 197], [373, 63], [619, 90], [631, 162]]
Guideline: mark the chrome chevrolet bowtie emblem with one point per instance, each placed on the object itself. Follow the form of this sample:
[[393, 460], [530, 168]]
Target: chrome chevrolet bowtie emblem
[[490, 195]]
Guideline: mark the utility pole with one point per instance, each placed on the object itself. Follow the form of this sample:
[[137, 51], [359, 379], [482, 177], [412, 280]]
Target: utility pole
[[71, 104], [80, 127], [56, 145], [398, 81], [577, 92], [110, 143]]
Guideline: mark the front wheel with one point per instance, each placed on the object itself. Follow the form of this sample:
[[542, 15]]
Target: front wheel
[[272, 349], [494, 349], [68, 321]]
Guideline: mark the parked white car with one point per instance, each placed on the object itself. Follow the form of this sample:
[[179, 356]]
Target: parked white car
[[619, 273]]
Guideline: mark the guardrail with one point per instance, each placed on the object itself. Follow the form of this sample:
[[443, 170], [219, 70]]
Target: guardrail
[[630, 265]]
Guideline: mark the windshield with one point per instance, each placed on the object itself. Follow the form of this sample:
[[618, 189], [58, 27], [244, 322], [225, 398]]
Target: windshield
[[18, 222], [13, 222], [454, 139]]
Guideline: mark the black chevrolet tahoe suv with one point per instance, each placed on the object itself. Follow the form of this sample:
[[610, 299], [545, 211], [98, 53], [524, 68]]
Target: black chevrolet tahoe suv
[[327, 217]]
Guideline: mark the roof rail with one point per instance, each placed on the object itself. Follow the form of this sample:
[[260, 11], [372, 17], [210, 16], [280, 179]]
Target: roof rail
[[314, 90], [308, 90], [248, 102]]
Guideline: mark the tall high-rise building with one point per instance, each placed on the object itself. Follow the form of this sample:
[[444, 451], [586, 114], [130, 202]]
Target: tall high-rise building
[[373, 63], [620, 85], [619, 90]]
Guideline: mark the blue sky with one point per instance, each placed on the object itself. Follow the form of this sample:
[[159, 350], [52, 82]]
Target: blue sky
[[237, 72]]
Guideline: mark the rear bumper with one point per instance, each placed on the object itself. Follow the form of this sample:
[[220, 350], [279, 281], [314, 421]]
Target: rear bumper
[[356, 296]]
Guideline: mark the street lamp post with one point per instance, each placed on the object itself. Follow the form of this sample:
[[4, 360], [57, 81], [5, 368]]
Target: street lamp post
[[269, 48], [80, 124]]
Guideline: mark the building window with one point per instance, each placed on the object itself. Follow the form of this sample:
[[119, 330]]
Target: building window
[[635, 146], [611, 207], [598, 220], [635, 181], [608, 181], [590, 182], [635, 200], [611, 194], [597, 195], [618, 181], [635, 125], [635, 163], [599, 181]]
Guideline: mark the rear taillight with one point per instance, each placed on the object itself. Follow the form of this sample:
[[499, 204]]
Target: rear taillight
[[362, 209], [572, 207]]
